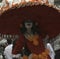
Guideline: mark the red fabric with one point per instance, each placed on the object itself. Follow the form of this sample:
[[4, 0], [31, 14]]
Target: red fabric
[[49, 57], [34, 49], [47, 17], [19, 45]]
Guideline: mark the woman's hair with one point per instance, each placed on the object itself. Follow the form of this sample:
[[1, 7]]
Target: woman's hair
[[34, 28]]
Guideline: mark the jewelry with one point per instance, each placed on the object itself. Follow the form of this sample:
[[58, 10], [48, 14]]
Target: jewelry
[[32, 38]]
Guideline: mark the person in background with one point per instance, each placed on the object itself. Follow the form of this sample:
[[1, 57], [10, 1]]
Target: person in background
[[3, 6], [8, 50], [2, 3], [3, 44], [51, 2], [3, 41], [51, 51], [9, 2], [9, 37], [57, 47]]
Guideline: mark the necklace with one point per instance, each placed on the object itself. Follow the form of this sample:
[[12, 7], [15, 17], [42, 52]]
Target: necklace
[[32, 38], [29, 36]]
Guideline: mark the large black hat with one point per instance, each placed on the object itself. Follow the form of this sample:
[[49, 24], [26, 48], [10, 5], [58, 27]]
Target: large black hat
[[47, 17]]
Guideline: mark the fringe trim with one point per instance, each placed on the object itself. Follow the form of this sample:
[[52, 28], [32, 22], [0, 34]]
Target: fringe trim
[[23, 4]]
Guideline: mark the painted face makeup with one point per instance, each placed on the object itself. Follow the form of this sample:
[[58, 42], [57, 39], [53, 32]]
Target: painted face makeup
[[28, 25]]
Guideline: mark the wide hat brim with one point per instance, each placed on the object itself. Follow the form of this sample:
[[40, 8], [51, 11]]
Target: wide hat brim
[[48, 19]]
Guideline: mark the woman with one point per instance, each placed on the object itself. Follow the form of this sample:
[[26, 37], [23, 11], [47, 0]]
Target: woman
[[30, 37]]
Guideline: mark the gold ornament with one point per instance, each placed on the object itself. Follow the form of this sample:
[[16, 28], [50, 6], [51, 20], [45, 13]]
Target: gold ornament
[[25, 57]]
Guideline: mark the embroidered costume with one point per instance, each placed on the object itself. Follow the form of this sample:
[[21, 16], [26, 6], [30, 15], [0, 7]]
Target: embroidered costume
[[34, 44]]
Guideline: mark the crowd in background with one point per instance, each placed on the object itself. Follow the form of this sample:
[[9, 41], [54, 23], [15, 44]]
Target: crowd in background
[[52, 45], [5, 40], [7, 4]]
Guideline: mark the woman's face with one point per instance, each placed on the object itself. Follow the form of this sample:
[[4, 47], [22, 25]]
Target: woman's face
[[28, 25]]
